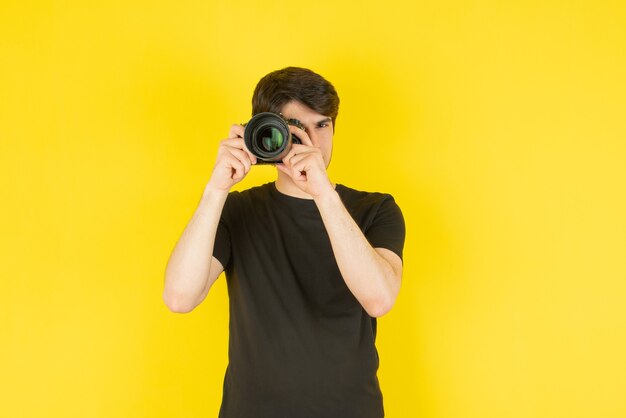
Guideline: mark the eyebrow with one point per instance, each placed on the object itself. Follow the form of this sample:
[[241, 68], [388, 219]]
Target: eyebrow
[[324, 121]]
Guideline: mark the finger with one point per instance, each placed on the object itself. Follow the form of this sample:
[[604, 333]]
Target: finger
[[238, 170], [297, 159], [298, 173], [299, 164], [300, 152], [300, 133], [234, 142], [243, 157], [236, 131], [238, 143], [231, 167], [293, 174], [295, 150]]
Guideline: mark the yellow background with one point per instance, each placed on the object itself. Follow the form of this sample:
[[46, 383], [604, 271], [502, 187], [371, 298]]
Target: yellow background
[[498, 126]]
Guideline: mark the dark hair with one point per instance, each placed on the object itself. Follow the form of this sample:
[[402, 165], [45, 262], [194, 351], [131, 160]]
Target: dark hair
[[280, 87]]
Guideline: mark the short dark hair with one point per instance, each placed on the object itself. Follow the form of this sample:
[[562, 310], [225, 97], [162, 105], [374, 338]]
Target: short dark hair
[[280, 87]]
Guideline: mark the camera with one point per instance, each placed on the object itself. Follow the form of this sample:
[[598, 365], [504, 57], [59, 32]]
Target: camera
[[268, 138]]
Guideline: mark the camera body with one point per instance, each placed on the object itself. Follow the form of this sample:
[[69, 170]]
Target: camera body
[[268, 138]]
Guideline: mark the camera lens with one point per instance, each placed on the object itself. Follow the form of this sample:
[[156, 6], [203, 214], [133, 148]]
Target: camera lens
[[271, 139], [267, 136]]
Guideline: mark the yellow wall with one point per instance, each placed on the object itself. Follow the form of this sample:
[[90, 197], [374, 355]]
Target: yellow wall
[[498, 126]]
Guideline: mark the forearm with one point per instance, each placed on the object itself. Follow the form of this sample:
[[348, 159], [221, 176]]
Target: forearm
[[188, 268], [370, 278]]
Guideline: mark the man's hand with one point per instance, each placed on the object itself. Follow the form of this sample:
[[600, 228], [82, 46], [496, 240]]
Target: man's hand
[[304, 164], [233, 162]]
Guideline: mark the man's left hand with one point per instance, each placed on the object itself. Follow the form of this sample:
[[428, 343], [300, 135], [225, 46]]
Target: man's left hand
[[305, 166]]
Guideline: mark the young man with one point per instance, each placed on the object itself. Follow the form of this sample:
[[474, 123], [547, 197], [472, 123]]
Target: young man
[[309, 265]]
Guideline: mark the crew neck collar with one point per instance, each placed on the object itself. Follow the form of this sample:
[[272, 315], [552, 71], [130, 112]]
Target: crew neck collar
[[297, 200]]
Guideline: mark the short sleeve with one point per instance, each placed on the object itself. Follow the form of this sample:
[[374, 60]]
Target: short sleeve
[[222, 247], [387, 229]]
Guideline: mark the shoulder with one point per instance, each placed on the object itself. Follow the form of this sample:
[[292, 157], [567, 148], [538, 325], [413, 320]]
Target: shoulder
[[360, 198], [253, 193], [379, 217], [238, 202], [367, 207]]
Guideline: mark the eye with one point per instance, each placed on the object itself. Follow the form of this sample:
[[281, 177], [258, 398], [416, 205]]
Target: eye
[[322, 124]]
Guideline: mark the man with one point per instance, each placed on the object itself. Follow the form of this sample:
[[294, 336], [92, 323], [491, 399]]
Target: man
[[309, 265]]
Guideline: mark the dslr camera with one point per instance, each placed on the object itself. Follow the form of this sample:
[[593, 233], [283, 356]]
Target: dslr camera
[[268, 138]]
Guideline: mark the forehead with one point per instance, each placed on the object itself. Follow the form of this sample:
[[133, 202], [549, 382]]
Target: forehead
[[297, 110]]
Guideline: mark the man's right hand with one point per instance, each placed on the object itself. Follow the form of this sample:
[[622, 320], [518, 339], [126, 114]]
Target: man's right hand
[[233, 162]]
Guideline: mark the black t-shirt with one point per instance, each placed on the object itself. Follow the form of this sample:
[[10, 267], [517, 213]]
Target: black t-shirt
[[300, 343]]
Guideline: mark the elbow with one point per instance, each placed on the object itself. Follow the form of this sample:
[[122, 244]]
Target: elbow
[[382, 300], [177, 304], [377, 312], [378, 308], [381, 303]]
